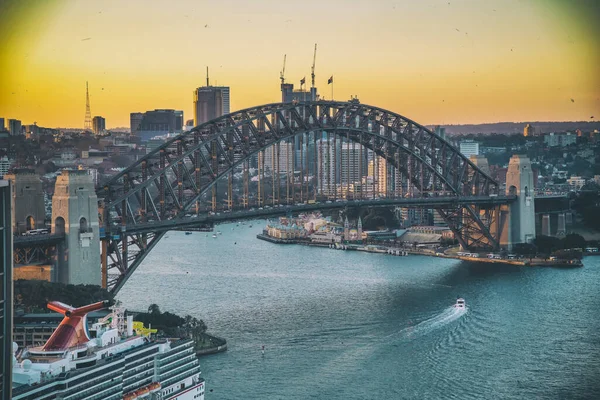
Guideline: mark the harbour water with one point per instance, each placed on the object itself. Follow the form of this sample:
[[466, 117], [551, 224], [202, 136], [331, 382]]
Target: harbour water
[[352, 325]]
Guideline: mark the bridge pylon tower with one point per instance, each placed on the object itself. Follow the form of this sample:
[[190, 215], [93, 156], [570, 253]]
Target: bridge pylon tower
[[518, 218], [75, 213]]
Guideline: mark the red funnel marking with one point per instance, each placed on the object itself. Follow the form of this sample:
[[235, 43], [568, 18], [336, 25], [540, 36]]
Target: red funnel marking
[[71, 331]]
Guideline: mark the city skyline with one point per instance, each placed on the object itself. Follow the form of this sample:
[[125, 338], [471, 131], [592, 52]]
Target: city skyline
[[435, 62]]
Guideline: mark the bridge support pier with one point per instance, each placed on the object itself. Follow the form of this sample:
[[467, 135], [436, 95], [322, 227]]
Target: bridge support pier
[[75, 213], [561, 226], [519, 217], [546, 225], [569, 218]]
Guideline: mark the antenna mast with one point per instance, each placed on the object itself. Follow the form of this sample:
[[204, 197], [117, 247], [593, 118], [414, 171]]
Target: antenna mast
[[88, 114], [282, 73], [312, 72]]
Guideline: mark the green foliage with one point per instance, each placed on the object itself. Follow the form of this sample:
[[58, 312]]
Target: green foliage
[[33, 296], [525, 249], [546, 245], [172, 324], [166, 322], [573, 241]]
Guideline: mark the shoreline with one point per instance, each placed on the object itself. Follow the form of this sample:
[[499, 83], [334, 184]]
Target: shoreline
[[219, 345], [381, 249]]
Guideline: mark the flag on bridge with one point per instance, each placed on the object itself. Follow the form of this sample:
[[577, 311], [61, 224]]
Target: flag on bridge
[[302, 81], [330, 80]]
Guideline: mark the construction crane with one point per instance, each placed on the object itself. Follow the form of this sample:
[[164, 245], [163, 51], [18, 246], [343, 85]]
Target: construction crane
[[282, 73], [312, 72]]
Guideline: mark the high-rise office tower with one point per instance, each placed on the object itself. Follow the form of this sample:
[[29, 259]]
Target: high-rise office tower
[[326, 167], [6, 291], [99, 125], [211, 102], [350, 159], [528, 131]]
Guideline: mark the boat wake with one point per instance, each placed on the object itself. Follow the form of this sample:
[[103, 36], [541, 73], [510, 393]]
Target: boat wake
[[438, 321]]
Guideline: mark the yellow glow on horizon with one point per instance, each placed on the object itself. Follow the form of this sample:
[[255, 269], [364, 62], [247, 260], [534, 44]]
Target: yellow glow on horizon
[[471, 61]]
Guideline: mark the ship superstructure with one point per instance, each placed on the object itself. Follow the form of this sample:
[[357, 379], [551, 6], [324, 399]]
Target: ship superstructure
[[107, 361]]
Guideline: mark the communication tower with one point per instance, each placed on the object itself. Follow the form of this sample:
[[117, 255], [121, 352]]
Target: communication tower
[[88, 114]]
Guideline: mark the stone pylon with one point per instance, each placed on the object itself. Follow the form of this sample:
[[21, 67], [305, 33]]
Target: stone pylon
[[561, 229], [546, 225], [518, 219], [75, 213]]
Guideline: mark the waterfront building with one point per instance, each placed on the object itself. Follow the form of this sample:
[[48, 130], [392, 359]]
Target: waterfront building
[[469, 148], [325, 237], [210, 102], [14, 127], [99, 125], [353, 234], [156, 123], [6, 290], [107, 361], [280, 231]]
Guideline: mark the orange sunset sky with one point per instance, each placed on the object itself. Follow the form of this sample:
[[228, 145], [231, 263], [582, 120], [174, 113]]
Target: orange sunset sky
[[437, 62]]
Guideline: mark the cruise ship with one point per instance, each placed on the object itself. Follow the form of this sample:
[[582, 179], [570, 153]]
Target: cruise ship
[[109, 360]]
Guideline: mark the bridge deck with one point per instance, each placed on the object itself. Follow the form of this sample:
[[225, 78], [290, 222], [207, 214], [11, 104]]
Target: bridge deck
[[28, 241], [274, 211]]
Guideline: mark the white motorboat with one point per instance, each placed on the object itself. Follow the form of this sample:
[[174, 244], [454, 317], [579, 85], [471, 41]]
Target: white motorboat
[[214, 235], [460, 303]]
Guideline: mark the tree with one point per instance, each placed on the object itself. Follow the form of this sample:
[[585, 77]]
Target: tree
[[573, 241], [524, 249], [153, 309], [547, 244]]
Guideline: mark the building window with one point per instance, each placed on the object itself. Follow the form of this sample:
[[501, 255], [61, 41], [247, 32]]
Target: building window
[[83, 225]]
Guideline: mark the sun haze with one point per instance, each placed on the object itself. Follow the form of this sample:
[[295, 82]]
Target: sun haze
[[467, 61]]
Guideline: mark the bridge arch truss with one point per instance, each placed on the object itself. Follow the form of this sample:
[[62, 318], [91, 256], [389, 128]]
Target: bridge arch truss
[[172, 182]]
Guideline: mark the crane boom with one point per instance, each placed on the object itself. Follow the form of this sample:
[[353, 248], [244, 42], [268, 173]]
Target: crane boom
[[282, 73], [312, 72]]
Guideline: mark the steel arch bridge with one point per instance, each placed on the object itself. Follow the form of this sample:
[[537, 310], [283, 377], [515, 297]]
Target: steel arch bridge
[[178, 181]]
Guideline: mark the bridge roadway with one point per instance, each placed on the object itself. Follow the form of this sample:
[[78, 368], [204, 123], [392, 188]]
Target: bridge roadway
[[37, 240], [275, 211]]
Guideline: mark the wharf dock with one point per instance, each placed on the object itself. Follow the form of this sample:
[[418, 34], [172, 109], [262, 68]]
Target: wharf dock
[[380, 249]]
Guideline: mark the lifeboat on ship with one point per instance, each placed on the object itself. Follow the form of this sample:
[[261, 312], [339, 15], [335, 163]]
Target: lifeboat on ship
[[154, 387], [143, 392]]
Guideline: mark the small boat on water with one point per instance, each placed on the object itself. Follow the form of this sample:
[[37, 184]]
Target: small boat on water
[[219, 232], [214, 235], [188, 233], [460, 303], [250, 226]]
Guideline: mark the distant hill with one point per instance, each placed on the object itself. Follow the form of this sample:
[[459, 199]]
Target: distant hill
[[517, 127]]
